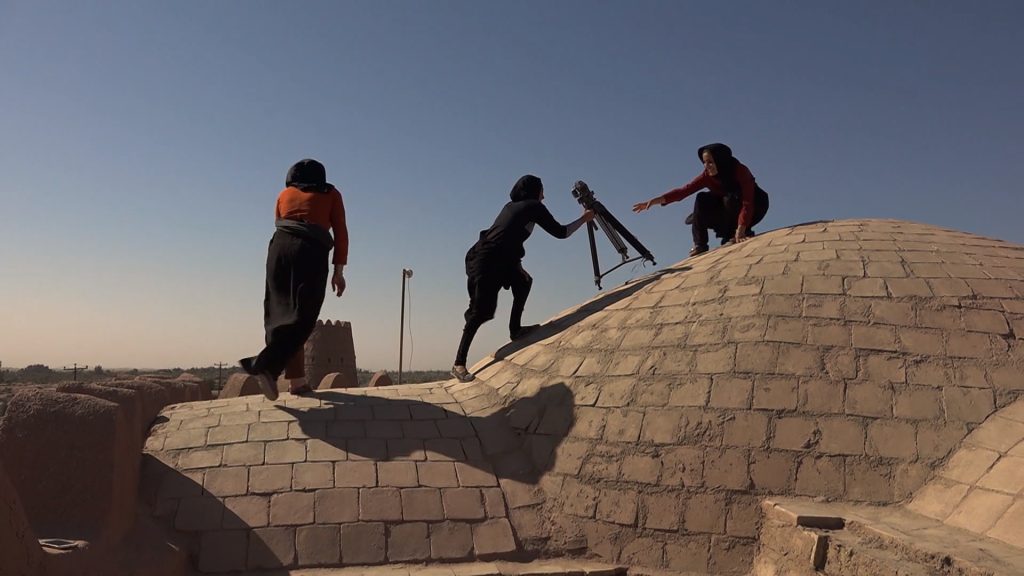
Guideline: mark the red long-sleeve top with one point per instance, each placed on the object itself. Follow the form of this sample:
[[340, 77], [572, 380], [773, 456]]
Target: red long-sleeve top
[[324, 209], [703, 180]]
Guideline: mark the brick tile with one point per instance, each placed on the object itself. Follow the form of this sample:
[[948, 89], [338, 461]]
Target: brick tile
[[823, 285], [874, 337], [823, 307], [494, 502], [286, 451], [437, 475], [885, 270], [902, 287], [462, 504], [938, 498], [197, 513], [493, 537], [617, 507], [967, 404], [450, 541], [785, 330], [879, 368], [660, 426], [623, 425], [642, 469], [579, 499], [727, 468], [519, 494], [245, 512], [840, 363], [271, 548], [227, 481], [336, 505], [205, 458], [291, 508], [757, 357], [841, 436], [980, 510], [355, 474], [788, 284], [918, 341], [821, 476], [367, 449], [828, 334], [410, 449], [247, 454], [772, 471], [988, 321], [362, 543], [746, 429], [263, 431], [794, 433], [949, 287], [820, 396], [866, 287], [422, 504], [476, 474], [891, 439], [397, 474], [869, 481], [997, 433], [380, 504], [775, 393], [227, 434], [272, 478], [869, 399], [716, 361], [662, 511], [1005, 476], [307, 475], [408, 542], [323, 451], [223, 551], [969, 464], [991, 288], [730, 392], [1008, 527], [318, 545], [705, 513], [918, 403], [937, 439], [444, 449]]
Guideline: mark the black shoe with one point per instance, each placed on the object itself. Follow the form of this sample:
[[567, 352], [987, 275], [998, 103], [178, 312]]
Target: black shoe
[[689, 219], [522, 332], [265, 381], [460, 373], [697, 250]]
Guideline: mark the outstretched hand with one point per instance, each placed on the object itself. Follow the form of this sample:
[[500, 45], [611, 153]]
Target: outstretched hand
[[641, 206], [588, 215]]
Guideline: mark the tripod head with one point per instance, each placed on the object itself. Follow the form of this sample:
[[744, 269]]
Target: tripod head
[[584, 195], [612, 228]]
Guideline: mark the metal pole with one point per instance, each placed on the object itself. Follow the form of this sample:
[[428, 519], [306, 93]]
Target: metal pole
[[401, 331]]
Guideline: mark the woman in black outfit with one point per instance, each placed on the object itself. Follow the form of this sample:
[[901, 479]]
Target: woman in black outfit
[[496, 262]]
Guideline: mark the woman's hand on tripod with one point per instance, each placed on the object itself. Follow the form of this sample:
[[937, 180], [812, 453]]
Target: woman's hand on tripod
[[588, 215], [641, 206]]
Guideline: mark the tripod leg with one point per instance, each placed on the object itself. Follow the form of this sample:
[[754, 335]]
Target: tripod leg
[[593, 254], [614, 223]]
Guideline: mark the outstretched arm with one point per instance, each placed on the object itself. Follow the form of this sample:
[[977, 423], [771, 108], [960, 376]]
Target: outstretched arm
[[546, 221]]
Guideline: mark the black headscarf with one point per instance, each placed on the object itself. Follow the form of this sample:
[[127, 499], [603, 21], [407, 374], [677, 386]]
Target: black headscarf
[[528, 187], [307, 175], [725, 162]]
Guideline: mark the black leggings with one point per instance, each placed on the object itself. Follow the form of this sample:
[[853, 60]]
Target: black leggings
[[295, 289], [719, 213], [483, 301]]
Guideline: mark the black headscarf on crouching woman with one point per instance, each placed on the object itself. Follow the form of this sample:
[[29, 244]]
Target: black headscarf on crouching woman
[[528, 187], [725, 162]]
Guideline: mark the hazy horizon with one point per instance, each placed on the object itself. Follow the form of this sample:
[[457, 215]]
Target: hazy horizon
[[143, 144]]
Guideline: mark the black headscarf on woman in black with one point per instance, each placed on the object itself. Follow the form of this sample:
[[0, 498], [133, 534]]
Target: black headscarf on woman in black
[[528, 187], [725, 162], [307, 175]]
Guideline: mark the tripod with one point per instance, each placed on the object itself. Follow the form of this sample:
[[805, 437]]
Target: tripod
[[612, 228]]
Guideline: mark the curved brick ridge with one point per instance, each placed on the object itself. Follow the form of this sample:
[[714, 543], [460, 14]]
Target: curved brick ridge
[[842, 360], [416, 473], [981, 487]]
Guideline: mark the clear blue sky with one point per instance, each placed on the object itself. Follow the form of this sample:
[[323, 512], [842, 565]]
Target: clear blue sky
[[142, 146]]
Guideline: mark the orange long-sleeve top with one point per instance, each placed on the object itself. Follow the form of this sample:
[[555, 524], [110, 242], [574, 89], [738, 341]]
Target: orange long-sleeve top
[[324, 209]]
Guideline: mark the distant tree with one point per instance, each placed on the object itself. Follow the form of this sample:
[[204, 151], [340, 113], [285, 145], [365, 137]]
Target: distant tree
[[98, 370]]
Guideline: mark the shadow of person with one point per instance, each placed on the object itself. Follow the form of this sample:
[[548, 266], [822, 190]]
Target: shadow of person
[[515, 441], [584, 311]]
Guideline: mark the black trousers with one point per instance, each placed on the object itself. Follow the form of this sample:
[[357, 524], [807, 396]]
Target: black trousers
[[483, 291], [722, 214], [295, 289]]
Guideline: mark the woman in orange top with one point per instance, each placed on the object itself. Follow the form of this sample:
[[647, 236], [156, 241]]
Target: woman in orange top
[[307, 210]]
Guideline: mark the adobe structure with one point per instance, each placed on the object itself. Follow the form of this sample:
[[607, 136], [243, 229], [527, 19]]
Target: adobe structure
[[840, 398], [330, 350]]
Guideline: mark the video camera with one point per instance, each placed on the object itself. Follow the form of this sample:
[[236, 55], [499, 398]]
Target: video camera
[[611, 227]]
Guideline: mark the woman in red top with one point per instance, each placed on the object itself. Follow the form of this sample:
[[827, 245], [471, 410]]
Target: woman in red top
[[307, 209], [733, 206]]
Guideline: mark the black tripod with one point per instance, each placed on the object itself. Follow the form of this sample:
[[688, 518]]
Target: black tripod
[[612, 228]]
